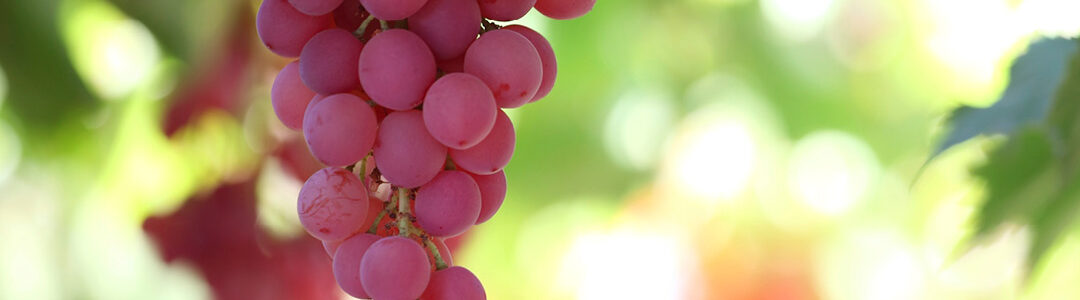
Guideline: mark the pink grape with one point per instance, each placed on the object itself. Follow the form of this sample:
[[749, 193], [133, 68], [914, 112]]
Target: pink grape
[[395, 69], [395, 268], [326, 63], [492, 193], [290, 97], [332, 204], [508, 63], [505, 10], [448, 205], [284, 30], [347, 263], [404, 151], [454, 283], [390, 10], [547, 59], [331, 247], [564, 9], [493, 153], [340, 129], [448, 26], [459, 110], [315, 7]]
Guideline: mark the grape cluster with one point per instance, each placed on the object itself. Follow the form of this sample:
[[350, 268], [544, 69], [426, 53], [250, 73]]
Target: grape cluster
[[402, 100]]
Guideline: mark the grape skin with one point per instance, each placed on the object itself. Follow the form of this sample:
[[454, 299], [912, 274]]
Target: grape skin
[[404, 151], [395, 268], [315, 7], [448, 205], [547, 59], [290, 97], [505, 10], [564, 9], [508, 63], [396, 68], [493, 153], [492, 194], [327, 59], [454, 283], [447, 26], [459, 110], [340, 129], [284, 30], [347, 263], [332, 204], [392, 10]]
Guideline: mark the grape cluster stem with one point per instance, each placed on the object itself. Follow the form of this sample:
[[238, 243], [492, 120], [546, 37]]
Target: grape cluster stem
[[405, 228]]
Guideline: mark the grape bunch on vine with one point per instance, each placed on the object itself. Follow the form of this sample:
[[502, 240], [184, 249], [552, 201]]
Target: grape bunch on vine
[[403, 101]]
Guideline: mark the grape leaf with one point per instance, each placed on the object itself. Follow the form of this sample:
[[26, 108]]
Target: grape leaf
[[1034, 79]]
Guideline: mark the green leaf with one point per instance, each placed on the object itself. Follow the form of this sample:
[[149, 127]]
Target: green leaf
[[1034, 79], [1019, 176]]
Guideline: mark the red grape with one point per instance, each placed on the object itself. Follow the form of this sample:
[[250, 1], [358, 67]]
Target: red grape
[[492, 193], [284, 30], [564, 9], [459, 110], [340, 129], [347, 263], [454, 283], [395, 268], [547, 59], [509, 64], [332, 204], [315, 7], [396, 68], [326, 62], [491, 154], [289, 96], [449, 204], [404, 151], [390, 10], [505, 10], [448, 26]]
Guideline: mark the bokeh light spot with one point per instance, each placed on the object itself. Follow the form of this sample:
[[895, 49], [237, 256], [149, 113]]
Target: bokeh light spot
[[830, 171]]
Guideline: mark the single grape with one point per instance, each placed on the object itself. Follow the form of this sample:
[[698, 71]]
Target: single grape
[[564, 9], [505, 10], [448, 205], [404, 151], [315, 7], [331, 247], [332, 204], [508, 63], [491, 154], [454, 283], [395, 268], [547, 59], [340, 129], [290, 97], [459, 110], [347, 263], [284, 30], [326, 63], [492, 193], [390, 10], [448, 26], [395, 69]]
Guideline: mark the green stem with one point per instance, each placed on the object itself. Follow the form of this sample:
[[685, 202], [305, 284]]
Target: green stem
[[386, 209], [403, 212], [439, 262], [363, 26]]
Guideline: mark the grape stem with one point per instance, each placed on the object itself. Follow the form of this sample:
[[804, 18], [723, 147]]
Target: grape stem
[[439, 262], [403, 212], [363, 26], [386, 210], [487, 25]]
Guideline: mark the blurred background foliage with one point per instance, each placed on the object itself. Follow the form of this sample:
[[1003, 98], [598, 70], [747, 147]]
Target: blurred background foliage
[[691, 149]]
